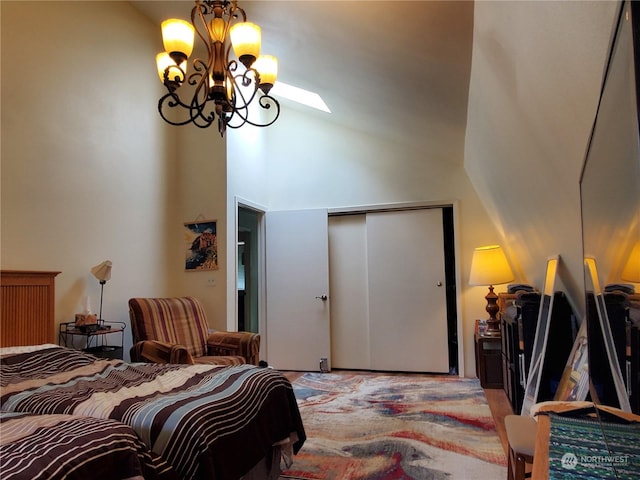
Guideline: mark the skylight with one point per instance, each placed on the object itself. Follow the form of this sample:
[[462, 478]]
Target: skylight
[[299, 95]]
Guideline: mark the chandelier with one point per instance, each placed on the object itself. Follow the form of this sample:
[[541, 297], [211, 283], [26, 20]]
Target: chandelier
[[217, 87]]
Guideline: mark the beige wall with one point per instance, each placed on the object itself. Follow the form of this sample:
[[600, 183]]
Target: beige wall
[[532, 102], [326, 166], [89, 170]]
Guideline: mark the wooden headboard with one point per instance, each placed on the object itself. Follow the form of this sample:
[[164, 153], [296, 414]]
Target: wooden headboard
[[27, 307]]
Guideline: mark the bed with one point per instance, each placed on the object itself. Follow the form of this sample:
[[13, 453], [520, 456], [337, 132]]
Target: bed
[[197, 418], [68, 447]]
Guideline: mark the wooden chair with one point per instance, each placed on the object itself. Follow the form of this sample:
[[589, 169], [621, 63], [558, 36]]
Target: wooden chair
[[175, 330], [521, 435]]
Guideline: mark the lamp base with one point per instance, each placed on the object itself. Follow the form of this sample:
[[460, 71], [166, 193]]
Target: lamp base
[[493, 324], [493, 329]]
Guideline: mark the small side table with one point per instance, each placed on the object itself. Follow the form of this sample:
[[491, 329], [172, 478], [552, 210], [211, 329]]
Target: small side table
[[94, 341], [488, 359]]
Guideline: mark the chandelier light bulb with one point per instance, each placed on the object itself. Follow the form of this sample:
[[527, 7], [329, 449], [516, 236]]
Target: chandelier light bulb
[[246, 38], [174, 73], [177, 37], [267, 67]]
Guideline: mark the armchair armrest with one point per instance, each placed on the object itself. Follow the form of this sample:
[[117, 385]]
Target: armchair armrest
[[244, 344], [152, 351]]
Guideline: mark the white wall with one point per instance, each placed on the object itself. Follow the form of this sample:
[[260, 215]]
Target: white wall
[[89, 170], [246, 184], [85, 160], [200, 178], [313, 163], [532, 101]]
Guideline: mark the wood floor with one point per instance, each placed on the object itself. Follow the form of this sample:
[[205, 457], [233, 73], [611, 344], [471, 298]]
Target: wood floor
[[496, 398], [500, 408]]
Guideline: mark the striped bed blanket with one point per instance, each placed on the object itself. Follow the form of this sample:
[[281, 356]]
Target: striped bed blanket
[[67, 447], [196, 417]]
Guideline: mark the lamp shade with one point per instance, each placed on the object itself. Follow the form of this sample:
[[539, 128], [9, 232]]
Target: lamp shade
[[102, 271], [631, 272], [489, 266], [164, 61], [267, 67], [246, 38], [178, 36]]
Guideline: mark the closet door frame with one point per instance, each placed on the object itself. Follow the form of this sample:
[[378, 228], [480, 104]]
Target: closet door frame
[[452, 267]]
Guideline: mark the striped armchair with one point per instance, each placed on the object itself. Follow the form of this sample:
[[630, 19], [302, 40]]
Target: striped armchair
[[175, 330]]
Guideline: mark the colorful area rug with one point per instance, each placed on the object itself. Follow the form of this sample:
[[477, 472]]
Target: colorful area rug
[[384, 427]]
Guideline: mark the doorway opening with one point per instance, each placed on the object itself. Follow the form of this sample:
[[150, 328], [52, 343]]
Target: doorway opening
[[248, 271]]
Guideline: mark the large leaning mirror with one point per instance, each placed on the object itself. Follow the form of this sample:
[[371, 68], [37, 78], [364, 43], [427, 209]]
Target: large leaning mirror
[[610, 196]]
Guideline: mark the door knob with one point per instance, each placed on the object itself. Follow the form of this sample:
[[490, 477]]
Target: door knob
[[323, 298], [439, 284]]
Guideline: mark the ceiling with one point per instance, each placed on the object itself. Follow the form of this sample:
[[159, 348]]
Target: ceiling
[[398, 69]]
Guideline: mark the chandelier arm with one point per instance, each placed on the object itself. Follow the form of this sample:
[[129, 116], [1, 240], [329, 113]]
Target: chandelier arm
[[235, 10], [200, 10], [266, 102], [242, 81], [198, 102], [196, 112]]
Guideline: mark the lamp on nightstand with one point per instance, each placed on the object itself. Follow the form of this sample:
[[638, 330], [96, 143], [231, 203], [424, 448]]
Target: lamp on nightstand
[[103, 273], [489, 267], [631, 272]]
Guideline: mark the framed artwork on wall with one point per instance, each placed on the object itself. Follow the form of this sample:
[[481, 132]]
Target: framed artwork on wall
[[201, 246]]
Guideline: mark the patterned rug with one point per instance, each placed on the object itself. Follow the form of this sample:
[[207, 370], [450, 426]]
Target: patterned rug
[[384, 427]]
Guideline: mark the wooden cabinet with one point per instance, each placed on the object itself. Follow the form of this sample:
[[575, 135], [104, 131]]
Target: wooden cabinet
[[488, 360]]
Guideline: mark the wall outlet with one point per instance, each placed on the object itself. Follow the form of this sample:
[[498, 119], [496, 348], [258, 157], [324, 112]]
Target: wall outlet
[[211, 282]]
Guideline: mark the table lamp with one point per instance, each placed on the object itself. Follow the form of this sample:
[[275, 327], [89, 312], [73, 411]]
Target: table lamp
[[489, 267], [102, 272]]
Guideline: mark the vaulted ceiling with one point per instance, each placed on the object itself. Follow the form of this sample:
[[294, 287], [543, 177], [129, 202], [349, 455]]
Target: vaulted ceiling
[[398, 69]]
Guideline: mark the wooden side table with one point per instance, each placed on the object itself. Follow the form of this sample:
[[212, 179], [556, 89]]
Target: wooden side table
[[488, 360]]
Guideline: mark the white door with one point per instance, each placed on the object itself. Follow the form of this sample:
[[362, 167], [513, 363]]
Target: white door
[[297, 289], [389, 296], [349, 292], [407, 294]]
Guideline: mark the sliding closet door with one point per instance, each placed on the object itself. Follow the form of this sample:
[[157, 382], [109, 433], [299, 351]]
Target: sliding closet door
[[407, 296], [349, 292], [388, 308]]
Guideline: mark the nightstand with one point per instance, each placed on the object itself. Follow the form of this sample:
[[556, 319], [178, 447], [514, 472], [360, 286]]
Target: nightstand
[[94, 340], [488, 359]]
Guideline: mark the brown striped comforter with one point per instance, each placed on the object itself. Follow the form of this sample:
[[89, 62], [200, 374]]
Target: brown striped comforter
[[206, 421], [66, 447]]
